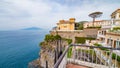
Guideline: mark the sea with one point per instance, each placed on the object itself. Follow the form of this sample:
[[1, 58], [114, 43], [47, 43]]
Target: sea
[[18, 48]]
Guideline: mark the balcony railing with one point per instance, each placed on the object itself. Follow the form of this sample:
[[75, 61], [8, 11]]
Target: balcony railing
[[90, 56]]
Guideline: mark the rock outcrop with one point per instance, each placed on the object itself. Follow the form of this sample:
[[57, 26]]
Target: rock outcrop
[[49, 53]]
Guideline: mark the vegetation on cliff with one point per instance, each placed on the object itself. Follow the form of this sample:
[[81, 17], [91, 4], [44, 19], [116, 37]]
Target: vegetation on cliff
[[52, 39], [48, 41], [51, 49]]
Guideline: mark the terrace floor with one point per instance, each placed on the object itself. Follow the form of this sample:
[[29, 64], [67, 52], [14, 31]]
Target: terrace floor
[[75, 66]]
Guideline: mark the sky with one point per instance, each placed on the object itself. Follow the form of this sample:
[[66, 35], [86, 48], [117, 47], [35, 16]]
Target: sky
[[19, 14]]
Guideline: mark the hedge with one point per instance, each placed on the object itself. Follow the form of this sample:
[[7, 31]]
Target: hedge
[[82, 39]]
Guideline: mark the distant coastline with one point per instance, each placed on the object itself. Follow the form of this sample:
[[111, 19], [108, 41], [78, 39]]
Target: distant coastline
[[32, 28]]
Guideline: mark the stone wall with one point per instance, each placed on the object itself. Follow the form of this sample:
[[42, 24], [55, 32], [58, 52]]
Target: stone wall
[[76, 33]]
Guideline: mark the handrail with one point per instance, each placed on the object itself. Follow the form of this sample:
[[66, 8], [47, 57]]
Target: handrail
[[81, 45], [84, 45], [61, 57]]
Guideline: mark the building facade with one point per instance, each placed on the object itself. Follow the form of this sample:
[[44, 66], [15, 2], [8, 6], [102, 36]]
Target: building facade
[[108, 34], [115, 16], [113, 39], [66, 24], [97, 23]]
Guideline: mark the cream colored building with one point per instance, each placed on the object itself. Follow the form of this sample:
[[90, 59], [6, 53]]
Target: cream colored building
[[66, 24], [97, 23], [113, 39], [115, 16], [108, 35]]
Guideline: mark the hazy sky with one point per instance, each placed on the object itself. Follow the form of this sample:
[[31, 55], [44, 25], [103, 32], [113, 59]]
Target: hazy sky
[[17, 14]]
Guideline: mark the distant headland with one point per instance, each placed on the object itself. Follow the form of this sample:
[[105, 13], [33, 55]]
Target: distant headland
[[32, 28]]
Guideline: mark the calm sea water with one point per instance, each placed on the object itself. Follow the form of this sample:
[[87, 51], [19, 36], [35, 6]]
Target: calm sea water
[[17, 48]]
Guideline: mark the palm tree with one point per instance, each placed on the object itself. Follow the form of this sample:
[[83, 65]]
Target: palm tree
[[95, 15]]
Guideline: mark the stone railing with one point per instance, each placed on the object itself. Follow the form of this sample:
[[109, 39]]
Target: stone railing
[[90, 56]]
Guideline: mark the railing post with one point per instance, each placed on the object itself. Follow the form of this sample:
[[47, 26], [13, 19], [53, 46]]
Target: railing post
[[116, 61], [92, 55], [74, 53], [84, 55], [101, 57], [88, 54], [110, 59], [105, 58], [81, 54]]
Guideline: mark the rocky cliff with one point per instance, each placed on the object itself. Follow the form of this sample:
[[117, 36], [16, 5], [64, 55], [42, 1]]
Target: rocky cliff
[[51, 48]]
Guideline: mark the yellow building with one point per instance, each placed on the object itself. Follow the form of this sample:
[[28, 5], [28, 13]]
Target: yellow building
[[66, 25]]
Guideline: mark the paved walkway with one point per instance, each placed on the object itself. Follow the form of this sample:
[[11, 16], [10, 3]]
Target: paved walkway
[[75, 66]]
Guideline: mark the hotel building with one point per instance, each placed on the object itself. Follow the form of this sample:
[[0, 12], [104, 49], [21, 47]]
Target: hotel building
[[66, 25], [110, 35]]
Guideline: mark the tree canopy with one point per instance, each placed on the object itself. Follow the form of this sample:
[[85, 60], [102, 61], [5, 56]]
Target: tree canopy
[[79, 25], [95, 14]]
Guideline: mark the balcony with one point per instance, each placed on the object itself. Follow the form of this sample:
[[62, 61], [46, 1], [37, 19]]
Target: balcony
[[85, 56]]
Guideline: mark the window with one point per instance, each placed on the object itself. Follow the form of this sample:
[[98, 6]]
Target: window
[[117, 44], [109, 41]]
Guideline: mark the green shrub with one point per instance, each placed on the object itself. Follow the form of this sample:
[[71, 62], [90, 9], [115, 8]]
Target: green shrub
[[114, 57], [96, 44], [95, 27], [91, 51], [82, 39], [99, 45], [69, 54], [50, 37], [116, 28], [69, 41]]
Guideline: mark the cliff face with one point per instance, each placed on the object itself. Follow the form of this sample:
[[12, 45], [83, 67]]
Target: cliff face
[[47, 58], [49, 53]]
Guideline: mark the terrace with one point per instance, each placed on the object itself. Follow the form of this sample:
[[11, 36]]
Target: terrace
[[115, 30], [85, 56]]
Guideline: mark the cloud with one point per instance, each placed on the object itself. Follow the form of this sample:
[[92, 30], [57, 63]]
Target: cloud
[[16, 14]]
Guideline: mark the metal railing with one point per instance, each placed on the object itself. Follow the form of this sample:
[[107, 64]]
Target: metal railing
[[91, 56]]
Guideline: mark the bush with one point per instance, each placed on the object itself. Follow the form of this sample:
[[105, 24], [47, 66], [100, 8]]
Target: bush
[[96, 44], [116, 28], [99, 45], [69, 54], [114, 57], [69, 41], [95, 27], [50, 37], [108, 53], [82, 39]]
